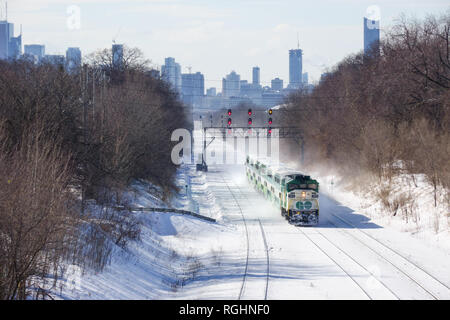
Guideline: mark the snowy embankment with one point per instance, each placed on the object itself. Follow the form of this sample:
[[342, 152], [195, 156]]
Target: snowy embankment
[[173, 251], [406, 203]]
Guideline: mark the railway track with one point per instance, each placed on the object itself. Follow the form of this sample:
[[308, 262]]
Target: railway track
[[335, 262], [246, 236], [267, 259], [264, 239], [439, 291], [351, 258]]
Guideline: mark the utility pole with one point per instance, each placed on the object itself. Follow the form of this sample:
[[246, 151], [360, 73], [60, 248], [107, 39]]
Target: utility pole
[[93, 96], [84, 87]]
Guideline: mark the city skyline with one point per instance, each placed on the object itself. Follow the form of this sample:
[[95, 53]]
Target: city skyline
[[200, 33]]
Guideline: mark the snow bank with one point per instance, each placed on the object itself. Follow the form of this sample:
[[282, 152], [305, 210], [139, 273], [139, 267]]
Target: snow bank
[[174, 252], [405, 203]]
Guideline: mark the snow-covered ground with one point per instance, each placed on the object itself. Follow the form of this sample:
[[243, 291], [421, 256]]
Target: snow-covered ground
[[251, 252], [410, 201]]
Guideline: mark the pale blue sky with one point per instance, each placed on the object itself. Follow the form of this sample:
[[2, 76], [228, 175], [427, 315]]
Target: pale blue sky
[[214, 37]]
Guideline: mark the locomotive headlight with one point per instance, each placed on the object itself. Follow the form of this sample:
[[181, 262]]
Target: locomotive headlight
[[303, 194]]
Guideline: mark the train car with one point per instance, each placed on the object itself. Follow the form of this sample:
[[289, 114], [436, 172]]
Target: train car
[[296, 194]]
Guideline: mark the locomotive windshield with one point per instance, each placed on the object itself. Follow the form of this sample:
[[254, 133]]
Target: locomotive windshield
[[301, 182], [292, 186]]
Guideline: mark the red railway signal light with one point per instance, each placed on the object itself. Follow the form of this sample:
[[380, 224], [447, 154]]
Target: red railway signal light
[[270, 120], [229, 121], [249, 121], [249, 112], [229, 112]]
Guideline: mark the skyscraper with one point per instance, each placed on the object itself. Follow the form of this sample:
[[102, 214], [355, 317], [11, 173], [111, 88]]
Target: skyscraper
[[256, 75], [10, 46], [171, 72], [37, 51], [6, 33], [15, 47], [295, 68], [371, 36], [231, 85], [73, 59], [192, 88]]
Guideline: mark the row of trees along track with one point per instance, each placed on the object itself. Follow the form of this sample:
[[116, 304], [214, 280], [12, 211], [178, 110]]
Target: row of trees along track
[[384, 113], [62, 135]]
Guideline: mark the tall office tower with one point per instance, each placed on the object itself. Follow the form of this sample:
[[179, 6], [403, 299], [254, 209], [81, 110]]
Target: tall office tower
[[171, 72], [371, 36], [231, 85], [6, 33], [295, 68], [15, 47], [117, 56], [192, 87], [277, 84], [256, 75], [305, 78], [37, 51], [10, 46]]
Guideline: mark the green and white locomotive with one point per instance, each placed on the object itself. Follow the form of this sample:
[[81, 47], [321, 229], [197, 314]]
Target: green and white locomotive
[[296, 194]]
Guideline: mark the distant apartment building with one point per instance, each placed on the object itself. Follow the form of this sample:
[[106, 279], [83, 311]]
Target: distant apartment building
[[35, 51], [371, 36], [55, 59], [295, 68], [154, 73], [171, 72], [277, 84], [192, 88], [243, 83], [73, 60], [323, 76], [231, 85], [256, 76], [305, 79], [211, 92], [271, 98]]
